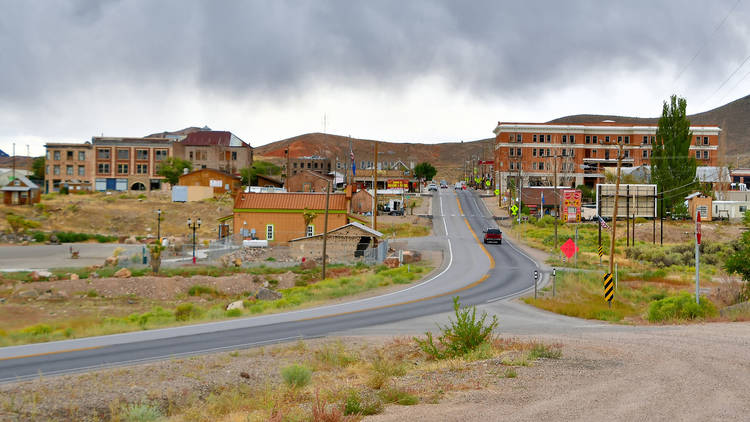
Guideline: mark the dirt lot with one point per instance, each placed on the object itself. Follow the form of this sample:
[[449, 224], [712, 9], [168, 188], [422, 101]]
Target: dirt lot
[[696, 372]]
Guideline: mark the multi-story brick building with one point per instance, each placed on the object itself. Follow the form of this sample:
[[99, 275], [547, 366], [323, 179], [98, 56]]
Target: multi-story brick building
[[218, 150], [69, 164], [320, 165], [583, 151], [129, 163]]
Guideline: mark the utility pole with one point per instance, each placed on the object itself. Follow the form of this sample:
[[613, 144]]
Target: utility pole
[[627, 215], [661, 224], [375, 189], [614, 214], [557, 217]]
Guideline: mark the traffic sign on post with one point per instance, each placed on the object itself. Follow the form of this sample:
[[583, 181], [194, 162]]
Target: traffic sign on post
[[600, 250], [698, 226], [514, 209], [609, 288], [497, 192], [569, 248], [536, 277]]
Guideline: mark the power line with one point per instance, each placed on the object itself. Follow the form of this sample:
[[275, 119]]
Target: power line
[[726, 80]]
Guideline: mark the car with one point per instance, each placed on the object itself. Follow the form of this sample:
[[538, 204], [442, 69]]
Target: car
[[443, 185], [432, 187], [458, 186], [493, 236]]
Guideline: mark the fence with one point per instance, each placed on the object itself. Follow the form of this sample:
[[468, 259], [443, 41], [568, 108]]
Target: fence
[[377, 254]]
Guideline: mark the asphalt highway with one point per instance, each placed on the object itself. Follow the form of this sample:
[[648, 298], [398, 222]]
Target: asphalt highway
[[475, 273]]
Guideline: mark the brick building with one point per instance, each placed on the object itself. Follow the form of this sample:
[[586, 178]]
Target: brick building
[[69, 164], [219, 150], [343, 244], [129, 163], [583, 150], [306, 181], [320, 165]]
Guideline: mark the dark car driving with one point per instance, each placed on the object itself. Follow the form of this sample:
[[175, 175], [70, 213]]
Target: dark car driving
[[493, 236]]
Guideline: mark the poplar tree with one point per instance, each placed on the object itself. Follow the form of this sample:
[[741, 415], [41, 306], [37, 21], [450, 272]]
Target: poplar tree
[[672, 167]]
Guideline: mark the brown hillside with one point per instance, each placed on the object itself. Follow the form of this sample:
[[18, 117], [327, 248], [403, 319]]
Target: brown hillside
[[22, 162], [448, 158], [733, 118]]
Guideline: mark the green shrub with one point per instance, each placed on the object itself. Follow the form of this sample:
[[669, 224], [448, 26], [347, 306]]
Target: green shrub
[[461, 336], [38, 330], [142, 196], [296, 376], [92, 293], [141, 412], [197, 290], [39, 236], [394, 395], [682, 306], [232, 313], [541, 351], [186, 311], [356, 404]]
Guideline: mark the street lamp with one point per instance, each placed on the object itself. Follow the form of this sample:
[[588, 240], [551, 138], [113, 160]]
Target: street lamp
[[158, 225], [193, 225]]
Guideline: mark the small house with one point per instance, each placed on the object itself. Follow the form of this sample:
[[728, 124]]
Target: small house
[[362, 202], [343, 244], [269, 182], [697, 202], [21, 191], [307, 181], [221, 182]]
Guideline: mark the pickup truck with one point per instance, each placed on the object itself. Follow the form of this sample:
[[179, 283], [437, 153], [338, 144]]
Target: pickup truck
[[493, 236]]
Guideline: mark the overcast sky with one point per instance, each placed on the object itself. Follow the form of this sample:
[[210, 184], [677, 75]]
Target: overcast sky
[[420, 71]]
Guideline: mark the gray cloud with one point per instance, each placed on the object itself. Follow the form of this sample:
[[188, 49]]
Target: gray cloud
[[281, 48]]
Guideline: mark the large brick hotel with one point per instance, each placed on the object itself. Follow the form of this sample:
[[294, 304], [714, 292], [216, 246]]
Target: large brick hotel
[[584, 150]]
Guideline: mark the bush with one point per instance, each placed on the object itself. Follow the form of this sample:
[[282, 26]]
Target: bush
[[682, 306], [296, 376], [232, 313], [461, 336], [356, 404], [142, 412], [393, 395], [197, 290], [542, 351], [186, 311], [38, 330]]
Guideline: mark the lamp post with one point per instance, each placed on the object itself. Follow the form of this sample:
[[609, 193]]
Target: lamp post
[[158, 225], [193, 225]]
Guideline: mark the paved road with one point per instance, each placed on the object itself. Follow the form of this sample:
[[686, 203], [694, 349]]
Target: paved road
[[476, 274], [44, 257]]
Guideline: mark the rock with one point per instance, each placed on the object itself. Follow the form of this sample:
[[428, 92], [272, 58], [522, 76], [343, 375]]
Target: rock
[[123, 273], [111, 261], [44, 274], [267, 294], [74, 276], [235, 305], [25, 243], [244, 374], [53, 239], [30, 294], [94, 275], [131, 240], [237, 262], [224, 260], [308, 264], [52, 277], [34, 276], [391, 262]]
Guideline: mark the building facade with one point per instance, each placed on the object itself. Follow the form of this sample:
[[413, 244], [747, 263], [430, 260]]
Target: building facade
[[219, 150], [307, 181], [581, 152], [129, 163], [69, 164], [320, 165], [220, 181]]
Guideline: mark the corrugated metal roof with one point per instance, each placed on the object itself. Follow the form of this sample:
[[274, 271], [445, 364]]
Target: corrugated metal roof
[[289, 201], [28, 185], [211, 137]]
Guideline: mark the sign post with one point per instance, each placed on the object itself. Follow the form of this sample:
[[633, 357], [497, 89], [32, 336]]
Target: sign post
[[697, 255], [554, 281], [609, 288], [536, 278]]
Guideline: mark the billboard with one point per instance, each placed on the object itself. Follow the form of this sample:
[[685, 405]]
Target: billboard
[[571, 206], [397, 184], [638, 200]]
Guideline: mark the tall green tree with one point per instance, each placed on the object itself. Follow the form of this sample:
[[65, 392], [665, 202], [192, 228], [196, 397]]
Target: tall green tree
[[37, 166], [172, 168], [250, 174], [425, 171], [672, 168], [739, 261]]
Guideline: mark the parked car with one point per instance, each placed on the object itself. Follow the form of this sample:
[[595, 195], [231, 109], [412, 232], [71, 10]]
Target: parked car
[[458, 186], [493, 236], [432, 187]]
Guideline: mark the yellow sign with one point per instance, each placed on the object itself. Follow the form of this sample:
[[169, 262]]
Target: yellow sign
[[609, 287], [497, 192], [601, 251]]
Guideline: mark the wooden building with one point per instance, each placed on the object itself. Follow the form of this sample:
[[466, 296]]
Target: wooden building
[[220, 181], [362, 202], [21, 191], [269, 182], [306, 181]]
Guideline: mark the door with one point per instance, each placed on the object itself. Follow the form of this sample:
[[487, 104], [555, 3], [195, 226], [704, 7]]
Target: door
[[111, 184]]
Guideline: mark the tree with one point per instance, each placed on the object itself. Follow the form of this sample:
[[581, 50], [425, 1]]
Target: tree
[[739, 261], [18, 224], [250, 174], [155, 250], [308, 215], [37, 166], [672, 168], [172, 168], [425, 171]]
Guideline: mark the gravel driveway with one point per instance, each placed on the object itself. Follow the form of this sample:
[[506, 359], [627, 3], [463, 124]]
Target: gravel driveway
[[685, 373]]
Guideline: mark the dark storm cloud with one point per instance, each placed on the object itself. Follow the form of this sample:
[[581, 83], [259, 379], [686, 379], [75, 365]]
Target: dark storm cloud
[[284, 47]]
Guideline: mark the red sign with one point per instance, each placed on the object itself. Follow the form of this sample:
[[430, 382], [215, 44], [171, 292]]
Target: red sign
[[569, 248], [486, 162], [571, 209], [698, 226], [397, 184]]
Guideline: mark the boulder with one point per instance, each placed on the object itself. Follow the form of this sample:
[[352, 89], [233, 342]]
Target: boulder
[[267, 294], [123, 273], [54, 240], [391, 262], [237, 262], [111, 261], [34, 276], [235, 305], [131, 240], [44, 274], [74, 276], [28, 294]]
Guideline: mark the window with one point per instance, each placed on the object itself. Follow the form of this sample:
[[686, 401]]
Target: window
[[697, 140], [308, 164], [234, 155], [548, 154], [627, 139], [512, 152], [102, 168], [593, 153], [310, 230], [81, 155], [645, 140], [565, 139], [69, 170], [56, 170], [533, 139], [594, 140], [705, 155], [572, 152], [141, 168], [57, 155], [564, 152], [533, 165], [316, 165], [533, 152], [511, 165], [645, 155], [510, 137], [48, 155], [161, 154], [103, 154], [190, 155], [549, 138], [69, 155], [46, 170], [123, 154], [122, 169], [518, 137], [142, 155], [653, 139], [606, 139], [705, 140], [627, 155], [572, 139], [588, 139], [518, 152], [269, 231], [619, 139], [81, 170]]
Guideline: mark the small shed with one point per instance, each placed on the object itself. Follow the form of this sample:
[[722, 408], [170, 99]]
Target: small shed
[[21, 191], [697, 202], [344, 244], [221, 182], [362, 202], [269, 182], [306, 181]]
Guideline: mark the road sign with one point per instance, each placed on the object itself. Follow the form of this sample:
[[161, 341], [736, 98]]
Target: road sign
[[698, 226], [569, 248], [488, 183], [609, 287], [536, 275], [601, 251], [514, 209], [497, 192]]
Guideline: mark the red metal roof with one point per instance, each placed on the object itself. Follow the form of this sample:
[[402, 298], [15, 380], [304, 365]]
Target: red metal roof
[[289, 201], [208, 137]]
